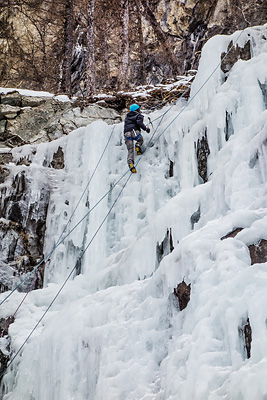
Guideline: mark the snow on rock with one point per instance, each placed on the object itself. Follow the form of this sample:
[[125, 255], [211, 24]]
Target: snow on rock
[[34, 119], [116, 330]]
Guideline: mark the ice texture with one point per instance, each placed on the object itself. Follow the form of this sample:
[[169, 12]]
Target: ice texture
[[116, 331]]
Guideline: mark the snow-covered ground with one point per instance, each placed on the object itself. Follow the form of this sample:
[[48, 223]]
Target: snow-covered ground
[[140, 92], [115, 331], [35, 93]]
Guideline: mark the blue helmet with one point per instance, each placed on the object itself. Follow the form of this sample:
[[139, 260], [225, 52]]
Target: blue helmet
[[134, 107]]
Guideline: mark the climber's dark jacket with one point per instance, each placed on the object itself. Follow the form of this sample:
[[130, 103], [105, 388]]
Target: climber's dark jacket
[[134, 120]]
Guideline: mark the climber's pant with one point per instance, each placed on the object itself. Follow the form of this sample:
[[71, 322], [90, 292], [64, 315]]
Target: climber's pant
[[130, 143]]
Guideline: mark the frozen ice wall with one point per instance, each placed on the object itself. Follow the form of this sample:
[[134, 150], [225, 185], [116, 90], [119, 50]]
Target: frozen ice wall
[[116, 330]]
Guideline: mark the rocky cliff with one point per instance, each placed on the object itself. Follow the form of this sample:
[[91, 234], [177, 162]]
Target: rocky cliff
[[45, 45], [27, 121]]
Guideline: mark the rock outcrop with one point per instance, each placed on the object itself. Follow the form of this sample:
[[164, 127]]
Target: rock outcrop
[[32, 120], [22, 227], [257, 251], [29, 119], [245, 334], [182, 292]]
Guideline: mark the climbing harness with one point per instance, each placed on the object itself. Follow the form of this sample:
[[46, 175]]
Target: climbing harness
[[136, 137]]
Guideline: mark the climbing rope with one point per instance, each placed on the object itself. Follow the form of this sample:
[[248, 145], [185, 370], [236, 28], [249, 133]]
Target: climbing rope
[[62, 240], [147, 147], [59, 241], [191, 99], [66, 280], [11, 319], [86, 187]]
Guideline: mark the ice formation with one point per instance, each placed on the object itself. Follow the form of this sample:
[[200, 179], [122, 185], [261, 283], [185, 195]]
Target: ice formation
[[115, 331]]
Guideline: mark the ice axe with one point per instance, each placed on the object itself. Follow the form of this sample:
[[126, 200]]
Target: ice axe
[[150, 122], [150, 143]]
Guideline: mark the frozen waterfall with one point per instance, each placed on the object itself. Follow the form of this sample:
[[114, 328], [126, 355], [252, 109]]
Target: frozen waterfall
[[116, 330]]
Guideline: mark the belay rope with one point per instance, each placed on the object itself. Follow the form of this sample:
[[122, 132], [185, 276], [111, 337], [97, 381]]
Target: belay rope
[[11, 319], [66, 280], [150, 141], [59, 241], [124, 185]]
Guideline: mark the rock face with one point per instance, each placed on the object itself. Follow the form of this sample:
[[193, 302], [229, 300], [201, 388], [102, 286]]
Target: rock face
[[258, 252], [22, 227], [182, 292], [23, 207], [4, 352], [25, 119], [203, 151], [245, 334], [165, 247], [164, 37], [235, 54]]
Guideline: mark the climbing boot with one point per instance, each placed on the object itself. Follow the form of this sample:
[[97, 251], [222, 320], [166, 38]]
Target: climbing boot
[[132, 168], [138, 149]]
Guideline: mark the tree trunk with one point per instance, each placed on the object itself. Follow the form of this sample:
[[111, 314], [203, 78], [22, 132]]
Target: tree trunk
[[90, 68], [141, 49], [68, 48], [161, 35], [124, 45], [103, 36], [106, 59]]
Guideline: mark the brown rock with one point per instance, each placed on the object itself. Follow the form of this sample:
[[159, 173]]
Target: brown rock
[[31, 101], [165, 247], [182, 292], [233, 233], [245, 333], [235, 53], [258, 252]]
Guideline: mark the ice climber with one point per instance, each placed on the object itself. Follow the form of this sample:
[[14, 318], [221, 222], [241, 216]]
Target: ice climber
[[132, 131]]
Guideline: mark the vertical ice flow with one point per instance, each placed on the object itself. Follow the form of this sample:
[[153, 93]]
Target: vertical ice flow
[[116, 331]]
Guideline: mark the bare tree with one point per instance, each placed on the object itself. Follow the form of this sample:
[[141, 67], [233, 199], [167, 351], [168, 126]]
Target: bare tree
[[141, 49], [31, 43], [90, 65], [105, 52], [68, 42], [106, 11], [124, 45]]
